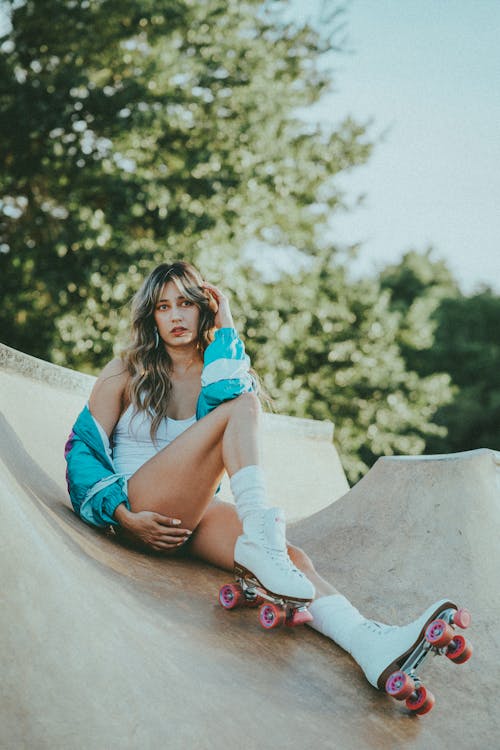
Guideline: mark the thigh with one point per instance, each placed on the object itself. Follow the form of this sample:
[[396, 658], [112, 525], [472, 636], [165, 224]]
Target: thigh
[[216, 535], [180, 480]]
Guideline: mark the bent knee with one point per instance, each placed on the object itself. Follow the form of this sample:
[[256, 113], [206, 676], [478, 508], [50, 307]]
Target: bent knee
[[300, 559], [248, 401]]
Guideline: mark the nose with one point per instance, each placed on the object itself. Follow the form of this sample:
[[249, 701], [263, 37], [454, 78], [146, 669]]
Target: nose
[[176, 313]]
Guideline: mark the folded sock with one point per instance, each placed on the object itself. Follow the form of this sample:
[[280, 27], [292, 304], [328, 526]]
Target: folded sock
[[249, 490], [335, 617]]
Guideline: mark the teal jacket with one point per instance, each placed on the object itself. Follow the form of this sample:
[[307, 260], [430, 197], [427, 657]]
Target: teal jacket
[[94, 486]]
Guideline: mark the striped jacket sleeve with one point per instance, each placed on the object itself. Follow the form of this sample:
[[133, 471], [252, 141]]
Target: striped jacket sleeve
[[225, 372]]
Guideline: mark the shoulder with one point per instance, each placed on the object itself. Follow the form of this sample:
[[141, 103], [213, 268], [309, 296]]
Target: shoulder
[[115, 374], [106, 401], [115, 368]]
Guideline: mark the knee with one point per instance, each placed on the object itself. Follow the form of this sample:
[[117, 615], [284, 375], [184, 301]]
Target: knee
[[300, 559], [249, 403]]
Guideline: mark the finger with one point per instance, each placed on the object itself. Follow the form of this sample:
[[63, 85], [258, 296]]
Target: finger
[[166, 521], [213, 289], [162, 546], [169, 531], [173, 542], [174, 534]]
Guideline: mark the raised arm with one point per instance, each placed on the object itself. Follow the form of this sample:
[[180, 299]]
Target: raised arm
[[223, 316]]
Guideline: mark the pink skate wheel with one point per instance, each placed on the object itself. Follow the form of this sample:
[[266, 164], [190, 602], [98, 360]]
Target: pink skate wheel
[[421, 702], [462, 618], [298, 617], [231, 596], [399, 685], [271, 616], [439, 633], [459, 650]]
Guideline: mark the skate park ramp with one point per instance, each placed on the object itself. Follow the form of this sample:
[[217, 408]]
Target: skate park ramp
[[106, 647]]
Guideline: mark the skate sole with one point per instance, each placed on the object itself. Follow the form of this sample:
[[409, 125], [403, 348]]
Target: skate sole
[[251, 579], [398, 663]]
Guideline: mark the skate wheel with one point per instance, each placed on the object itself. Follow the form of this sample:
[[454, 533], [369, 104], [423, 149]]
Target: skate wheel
[[399, 685], [421, 702], [231, 595], [298, 617], [271, 616], [462, 618], [459, 650], [439, 633]]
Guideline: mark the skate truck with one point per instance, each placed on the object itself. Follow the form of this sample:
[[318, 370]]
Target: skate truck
[[275, 610], [440, 639]]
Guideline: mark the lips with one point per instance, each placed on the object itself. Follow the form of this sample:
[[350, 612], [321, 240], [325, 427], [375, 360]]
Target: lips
[[178, 330]]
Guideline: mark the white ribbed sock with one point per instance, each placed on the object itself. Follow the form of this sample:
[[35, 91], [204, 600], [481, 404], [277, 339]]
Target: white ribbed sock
[[249, 490], [335, 617]]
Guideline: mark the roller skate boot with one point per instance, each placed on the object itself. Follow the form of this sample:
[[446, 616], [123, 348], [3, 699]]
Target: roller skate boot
[[265, 574], [390, 655]]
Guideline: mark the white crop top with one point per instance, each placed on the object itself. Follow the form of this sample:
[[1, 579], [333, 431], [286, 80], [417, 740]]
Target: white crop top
[[131, 440]]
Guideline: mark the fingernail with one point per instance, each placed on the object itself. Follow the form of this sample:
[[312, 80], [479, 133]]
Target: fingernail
[[176, 521]]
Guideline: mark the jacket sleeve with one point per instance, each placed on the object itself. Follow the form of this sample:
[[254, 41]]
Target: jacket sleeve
[[103, 499], [94, 489], [225, 372]]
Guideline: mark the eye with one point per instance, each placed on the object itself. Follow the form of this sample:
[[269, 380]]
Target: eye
[[187, 303], [163, 306]]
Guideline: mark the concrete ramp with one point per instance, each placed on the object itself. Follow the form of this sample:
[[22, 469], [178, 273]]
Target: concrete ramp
[[42, 401], [104, 647]]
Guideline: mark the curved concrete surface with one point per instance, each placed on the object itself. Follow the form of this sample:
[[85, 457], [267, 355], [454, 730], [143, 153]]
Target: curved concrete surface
[[303, 468], [104, 647]]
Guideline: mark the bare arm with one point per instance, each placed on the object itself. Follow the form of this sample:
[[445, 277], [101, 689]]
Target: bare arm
[[107, 399]]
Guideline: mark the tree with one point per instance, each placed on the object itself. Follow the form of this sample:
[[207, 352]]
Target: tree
[[329, 348], [456, 334], [135, 130], [467, 345]]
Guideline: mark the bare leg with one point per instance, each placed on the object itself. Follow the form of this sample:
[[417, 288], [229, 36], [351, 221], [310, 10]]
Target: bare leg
[[181, 480], [215, 538]]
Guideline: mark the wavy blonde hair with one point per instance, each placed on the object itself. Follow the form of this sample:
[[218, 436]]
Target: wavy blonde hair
[[148, 364]]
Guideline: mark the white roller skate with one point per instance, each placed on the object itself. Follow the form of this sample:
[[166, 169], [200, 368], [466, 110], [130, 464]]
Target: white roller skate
[[390, 655], [265, 574]]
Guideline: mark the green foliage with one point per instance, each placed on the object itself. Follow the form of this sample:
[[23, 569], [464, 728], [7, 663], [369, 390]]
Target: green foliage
[[134, 131], [467, 344], [328, 348], [417, 285], [454, 334], [138, 131]]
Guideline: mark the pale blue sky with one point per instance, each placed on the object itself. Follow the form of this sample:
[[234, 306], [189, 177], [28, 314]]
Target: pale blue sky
[[429, 72]]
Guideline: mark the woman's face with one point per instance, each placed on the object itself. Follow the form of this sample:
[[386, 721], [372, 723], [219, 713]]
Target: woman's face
[[176, 317]]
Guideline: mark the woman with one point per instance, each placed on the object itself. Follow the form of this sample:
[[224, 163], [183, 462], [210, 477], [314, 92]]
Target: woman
[[162, 425]]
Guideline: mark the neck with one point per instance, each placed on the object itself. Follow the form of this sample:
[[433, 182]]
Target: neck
[[184, 358]]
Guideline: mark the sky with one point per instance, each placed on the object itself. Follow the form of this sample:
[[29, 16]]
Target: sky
[[427, 72]]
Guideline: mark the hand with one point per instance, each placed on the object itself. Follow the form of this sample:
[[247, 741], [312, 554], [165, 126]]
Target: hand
[[153, 530], [223, 317]]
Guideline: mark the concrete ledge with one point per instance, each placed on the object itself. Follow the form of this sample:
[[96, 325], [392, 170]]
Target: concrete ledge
[[14, 361], [41, 401], [56, 376]]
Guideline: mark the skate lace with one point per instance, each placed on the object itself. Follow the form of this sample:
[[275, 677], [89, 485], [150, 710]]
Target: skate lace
[[280, 557], [379, 628]]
